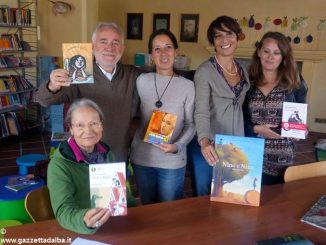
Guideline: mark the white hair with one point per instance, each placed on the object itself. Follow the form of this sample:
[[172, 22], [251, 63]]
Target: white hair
[[107, 25]]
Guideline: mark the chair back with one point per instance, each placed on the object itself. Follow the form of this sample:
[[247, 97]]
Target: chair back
[[38, 204], [309, 170]]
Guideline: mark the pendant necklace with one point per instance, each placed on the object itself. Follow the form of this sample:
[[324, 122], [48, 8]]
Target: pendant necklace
[[159, 103], [224, 69]]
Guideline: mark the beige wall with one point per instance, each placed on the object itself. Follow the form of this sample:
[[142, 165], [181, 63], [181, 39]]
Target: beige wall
[[112, 10], [76, 27]]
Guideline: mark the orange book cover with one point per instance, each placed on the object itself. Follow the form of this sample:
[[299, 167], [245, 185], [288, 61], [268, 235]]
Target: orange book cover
[[160, 127], [78, 60]]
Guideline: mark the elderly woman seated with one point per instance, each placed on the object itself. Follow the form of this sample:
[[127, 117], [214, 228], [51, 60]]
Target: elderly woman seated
[[68, 177]]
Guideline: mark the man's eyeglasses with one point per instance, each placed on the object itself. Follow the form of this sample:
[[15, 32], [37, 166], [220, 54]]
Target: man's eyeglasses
[[92, 125]]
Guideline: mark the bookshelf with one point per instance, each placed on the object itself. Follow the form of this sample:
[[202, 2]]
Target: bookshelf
[[18, 67]]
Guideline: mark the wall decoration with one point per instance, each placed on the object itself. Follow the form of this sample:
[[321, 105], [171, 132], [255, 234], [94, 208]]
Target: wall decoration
[[135, 26], [189, 27], [285, 22], [60, 7], [322, 25], [267, 23], [251, 22], [161, 21]]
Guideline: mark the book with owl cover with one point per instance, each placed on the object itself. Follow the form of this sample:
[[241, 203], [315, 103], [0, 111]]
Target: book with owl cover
[[237, 176], [316, 215], [108, 187], [78, 61], [160, 127]]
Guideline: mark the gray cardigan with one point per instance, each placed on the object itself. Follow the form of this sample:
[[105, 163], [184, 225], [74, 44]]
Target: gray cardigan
[[217, 110], [178, 99]]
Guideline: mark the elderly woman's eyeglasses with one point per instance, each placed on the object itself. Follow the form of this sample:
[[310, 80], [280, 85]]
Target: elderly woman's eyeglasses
[[92, 125]]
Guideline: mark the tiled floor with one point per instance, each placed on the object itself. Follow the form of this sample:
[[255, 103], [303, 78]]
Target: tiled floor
[[12, 147], [36, 142]]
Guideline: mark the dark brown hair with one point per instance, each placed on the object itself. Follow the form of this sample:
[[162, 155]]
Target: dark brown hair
[[288, 74], [220, 23], [162, 32]]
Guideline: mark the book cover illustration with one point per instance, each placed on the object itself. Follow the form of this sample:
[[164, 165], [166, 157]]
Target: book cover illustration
[[18, 183], [294, 120], [78, 60], [160, 127], [292, 239], [108, 187], [236, 177], [316, 216], [60, 136]]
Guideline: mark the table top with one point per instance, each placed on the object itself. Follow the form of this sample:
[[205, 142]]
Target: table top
[[10, 195], [200, 221]]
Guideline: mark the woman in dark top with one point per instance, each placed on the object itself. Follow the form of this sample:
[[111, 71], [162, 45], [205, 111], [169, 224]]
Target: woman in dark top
[[275, 79]]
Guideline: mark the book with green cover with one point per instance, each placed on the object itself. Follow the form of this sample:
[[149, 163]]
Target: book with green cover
[[237, 176]]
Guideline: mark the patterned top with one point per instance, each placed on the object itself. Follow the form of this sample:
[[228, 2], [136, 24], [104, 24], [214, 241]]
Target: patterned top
[[263, 109], [239, 86]]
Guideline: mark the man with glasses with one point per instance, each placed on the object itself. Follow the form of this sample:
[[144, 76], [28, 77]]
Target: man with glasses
[[113, 87]]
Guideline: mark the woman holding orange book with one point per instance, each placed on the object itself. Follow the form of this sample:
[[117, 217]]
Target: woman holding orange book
[[160, 167]]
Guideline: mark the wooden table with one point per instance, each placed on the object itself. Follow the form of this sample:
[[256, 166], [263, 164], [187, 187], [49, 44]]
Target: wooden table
[[200, 221]]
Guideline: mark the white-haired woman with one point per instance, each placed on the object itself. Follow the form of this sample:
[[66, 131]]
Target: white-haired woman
[[68, 176]]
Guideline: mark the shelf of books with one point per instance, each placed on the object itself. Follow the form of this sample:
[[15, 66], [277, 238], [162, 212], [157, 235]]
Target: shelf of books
[[16, 122], [18, 67], [19, 38]]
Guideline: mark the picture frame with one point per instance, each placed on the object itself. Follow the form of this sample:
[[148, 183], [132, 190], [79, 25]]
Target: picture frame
[[189, 27], [135, 26], [161, 21]]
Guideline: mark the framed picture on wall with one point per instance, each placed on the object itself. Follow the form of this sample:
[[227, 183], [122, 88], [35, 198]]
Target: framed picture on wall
[[161, 21], [135, 26], [189, 27]]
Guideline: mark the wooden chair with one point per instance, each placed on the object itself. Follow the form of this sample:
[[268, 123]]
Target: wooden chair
[[38, 205], [309, 170]]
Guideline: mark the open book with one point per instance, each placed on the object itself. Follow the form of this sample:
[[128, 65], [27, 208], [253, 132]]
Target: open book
[[316, 216], [78, 60], [108, 187], [160, 127], [237, 176]]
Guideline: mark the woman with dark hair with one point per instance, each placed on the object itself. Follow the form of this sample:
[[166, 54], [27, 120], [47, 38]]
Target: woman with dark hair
[[160, 168], [221, 84], [77, 66], [275, 79]]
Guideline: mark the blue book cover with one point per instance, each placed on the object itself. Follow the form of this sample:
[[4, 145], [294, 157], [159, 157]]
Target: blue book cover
[[237, 176], [292, 239], [17, 183]]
